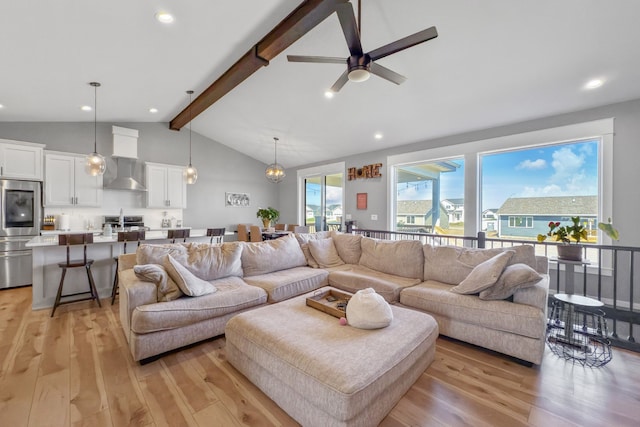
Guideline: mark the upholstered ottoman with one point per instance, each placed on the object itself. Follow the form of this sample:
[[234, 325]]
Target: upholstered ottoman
[[325, 374]]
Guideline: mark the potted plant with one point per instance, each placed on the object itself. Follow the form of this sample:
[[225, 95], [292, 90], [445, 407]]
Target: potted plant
[[267, 215], [575, 232]]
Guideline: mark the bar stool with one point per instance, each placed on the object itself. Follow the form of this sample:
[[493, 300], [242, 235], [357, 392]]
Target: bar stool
[[69, 240], [216, 233], [178, 234], [124, 236]]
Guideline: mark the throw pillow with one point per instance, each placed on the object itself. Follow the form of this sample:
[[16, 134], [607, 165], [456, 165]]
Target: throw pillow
[[311, 261], [325, 253], [368, 310], [348, 246], [188, 283], [484, 274], [168, 290], [514, 277]]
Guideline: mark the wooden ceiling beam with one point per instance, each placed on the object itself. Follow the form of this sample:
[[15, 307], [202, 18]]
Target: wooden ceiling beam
[[298, 23]]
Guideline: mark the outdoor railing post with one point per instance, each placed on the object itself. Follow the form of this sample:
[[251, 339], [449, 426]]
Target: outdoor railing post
[[482, 240]]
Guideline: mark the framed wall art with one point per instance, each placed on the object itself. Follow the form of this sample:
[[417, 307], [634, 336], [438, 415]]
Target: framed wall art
[[361, 200], [237, 200]]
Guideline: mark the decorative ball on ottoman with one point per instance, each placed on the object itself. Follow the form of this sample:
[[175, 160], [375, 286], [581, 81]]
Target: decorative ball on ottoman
[[368, 310]]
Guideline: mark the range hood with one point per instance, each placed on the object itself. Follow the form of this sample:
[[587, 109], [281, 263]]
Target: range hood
[[125, 154]]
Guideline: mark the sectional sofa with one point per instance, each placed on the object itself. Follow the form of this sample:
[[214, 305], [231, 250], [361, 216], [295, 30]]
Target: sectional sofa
[[494, 298]]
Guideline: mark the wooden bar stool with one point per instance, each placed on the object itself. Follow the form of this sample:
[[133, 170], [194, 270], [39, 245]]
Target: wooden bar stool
[[178, 234], [216, 233], [69, 240], [124, 236]]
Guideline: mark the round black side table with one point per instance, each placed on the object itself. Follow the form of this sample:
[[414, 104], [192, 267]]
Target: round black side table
[[577, 330]]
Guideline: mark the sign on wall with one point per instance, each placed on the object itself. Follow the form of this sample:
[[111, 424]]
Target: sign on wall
[[367, 171]]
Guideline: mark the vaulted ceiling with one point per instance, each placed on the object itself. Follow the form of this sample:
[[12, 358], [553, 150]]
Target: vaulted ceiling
[[495, 62]]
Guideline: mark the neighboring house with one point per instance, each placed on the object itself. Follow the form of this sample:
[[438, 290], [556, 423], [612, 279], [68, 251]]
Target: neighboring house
[[455, 209], [416, 215], [530, 216], [490, 219]]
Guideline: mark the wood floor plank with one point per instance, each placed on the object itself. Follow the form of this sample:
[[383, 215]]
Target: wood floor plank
[[12, 321], [216, 415], [165, 403], [87, 389]]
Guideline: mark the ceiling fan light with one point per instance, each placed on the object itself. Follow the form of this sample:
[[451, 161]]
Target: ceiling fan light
[[359, 75]]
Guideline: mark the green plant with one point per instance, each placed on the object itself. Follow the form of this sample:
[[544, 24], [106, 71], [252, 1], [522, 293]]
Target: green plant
[[608, 229], [566, 233], [268, 214]]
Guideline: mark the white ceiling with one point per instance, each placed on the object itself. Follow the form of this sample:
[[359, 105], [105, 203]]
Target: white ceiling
[[494, 62]]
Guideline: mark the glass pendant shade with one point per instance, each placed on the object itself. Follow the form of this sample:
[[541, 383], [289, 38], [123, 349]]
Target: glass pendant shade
[[95, 164], [275, 172], [191, 174]]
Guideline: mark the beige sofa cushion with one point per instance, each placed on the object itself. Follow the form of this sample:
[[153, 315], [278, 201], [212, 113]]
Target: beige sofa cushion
[[484, 274], [514, 277], [155, 254], [354, 277], [305, 237], [188, 283], [435, 298], [211, 262], [452, 264], [325, 253], [233, 295], [284, 284], [272, 255], [348, 246], [311, 261], [402, 258], [168, 290]]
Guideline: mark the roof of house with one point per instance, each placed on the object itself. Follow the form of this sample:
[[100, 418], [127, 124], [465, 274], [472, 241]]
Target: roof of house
[[455, 201], [561, 205], [413, 207]]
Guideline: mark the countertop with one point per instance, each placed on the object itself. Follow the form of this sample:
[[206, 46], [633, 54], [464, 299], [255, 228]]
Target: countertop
[[50, 238]]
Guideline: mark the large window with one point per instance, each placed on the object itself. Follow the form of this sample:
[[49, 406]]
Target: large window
[[321, 192]]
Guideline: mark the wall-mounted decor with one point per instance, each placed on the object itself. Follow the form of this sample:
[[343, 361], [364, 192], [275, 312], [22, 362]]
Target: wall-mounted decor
[[367, 171], [237, 200], [361, 200]]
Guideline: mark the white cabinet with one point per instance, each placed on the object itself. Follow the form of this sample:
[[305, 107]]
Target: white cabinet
[[166, 186], [67, 184], [21, 160]]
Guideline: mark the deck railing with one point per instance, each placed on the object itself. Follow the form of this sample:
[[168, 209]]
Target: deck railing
[[608, 275]]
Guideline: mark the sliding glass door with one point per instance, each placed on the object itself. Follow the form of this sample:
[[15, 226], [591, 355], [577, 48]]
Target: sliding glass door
[[322, 198]]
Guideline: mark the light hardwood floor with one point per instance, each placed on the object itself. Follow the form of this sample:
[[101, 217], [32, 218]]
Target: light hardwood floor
[[76, 370]]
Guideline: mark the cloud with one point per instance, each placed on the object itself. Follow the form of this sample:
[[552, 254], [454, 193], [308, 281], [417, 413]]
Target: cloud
[[532, 165]]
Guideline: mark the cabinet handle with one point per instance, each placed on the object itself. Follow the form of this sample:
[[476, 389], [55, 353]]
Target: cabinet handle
[[1, 170], [72, 200]]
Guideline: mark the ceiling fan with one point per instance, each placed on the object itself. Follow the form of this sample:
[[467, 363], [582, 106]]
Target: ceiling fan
[[361, 65]]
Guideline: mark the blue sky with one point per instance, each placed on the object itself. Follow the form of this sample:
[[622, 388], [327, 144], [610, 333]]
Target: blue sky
[[554, 170]]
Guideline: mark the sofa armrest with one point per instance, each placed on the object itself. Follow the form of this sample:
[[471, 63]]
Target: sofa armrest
[[133, 293], [535, 295]]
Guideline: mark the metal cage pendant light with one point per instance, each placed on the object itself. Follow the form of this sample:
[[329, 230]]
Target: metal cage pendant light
[[190, 173], [95, 164], [275, 172]]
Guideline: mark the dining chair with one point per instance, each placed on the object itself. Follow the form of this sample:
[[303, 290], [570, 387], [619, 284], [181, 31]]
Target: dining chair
[[124, 237], [216, 233], [256, 233], [69, 240], [291, 227], [243, 233], [281, 227], [301, 229], [174, 235]]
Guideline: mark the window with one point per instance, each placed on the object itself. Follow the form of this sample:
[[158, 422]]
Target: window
[[521, 221], [320, 192], [411, 219]]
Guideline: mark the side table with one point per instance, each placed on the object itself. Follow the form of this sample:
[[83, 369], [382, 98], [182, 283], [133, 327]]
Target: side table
[[577, 330]]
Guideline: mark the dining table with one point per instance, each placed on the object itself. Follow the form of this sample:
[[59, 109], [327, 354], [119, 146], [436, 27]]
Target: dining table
[[274, 234]]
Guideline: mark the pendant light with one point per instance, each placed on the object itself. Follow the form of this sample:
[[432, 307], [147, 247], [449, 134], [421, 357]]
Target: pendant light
[[275, 172], [190, 173], [95, 163]]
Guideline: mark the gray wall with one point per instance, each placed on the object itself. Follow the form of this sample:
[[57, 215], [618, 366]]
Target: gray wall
[[626, 178], [220, 168]]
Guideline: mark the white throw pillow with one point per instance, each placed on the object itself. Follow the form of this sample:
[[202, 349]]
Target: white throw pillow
[[368, 310], [514, 277], [188, 283], [168, 290], [484, 274]]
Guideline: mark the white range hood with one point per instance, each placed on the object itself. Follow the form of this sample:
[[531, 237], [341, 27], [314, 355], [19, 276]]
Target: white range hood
[[125, 154]]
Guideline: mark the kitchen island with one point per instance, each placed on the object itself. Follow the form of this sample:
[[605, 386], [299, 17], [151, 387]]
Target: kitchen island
[[47, 254]]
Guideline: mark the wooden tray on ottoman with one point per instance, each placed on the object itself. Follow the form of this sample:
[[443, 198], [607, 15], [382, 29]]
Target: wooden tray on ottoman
[[328, 300]]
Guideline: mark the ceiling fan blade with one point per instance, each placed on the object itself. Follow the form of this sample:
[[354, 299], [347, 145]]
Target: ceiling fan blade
[[387, 74], [404, 43], [349, 28], [342, 80], [320, 59]]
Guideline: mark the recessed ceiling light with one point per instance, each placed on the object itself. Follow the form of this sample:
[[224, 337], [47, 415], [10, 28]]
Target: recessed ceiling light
[[86, 108], [1, 106], [378, 135], [329, 93], [593, 84], [164, 17], [153, 110]]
